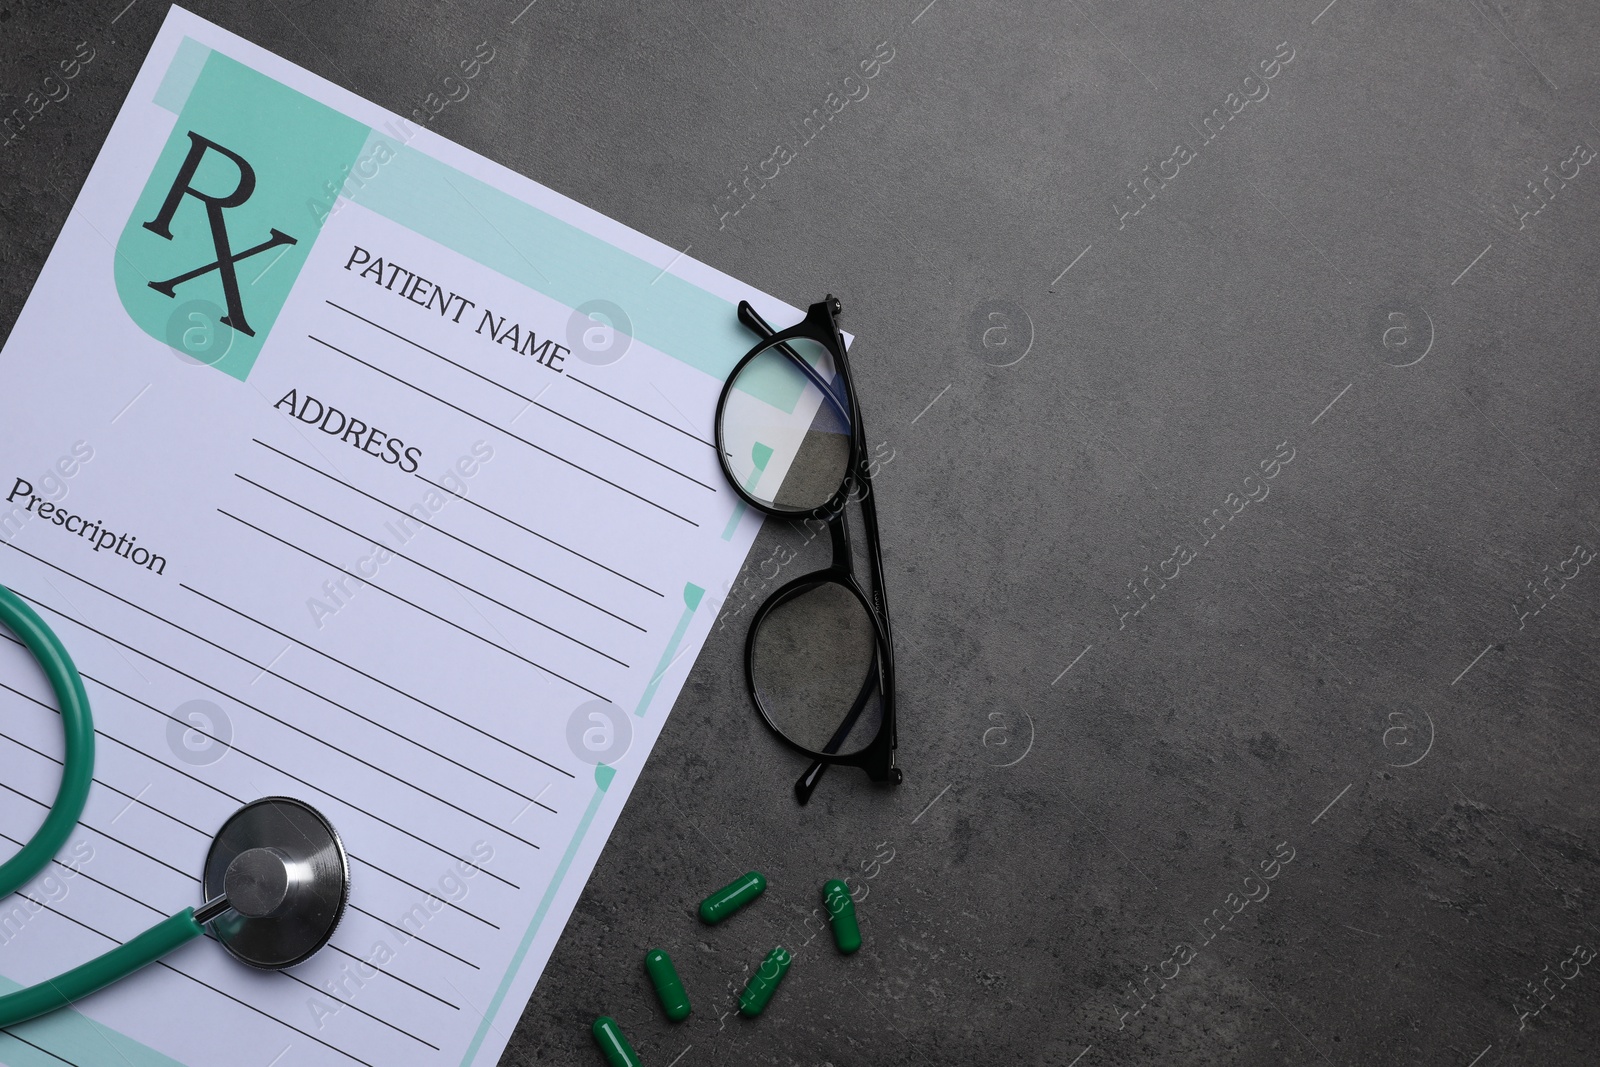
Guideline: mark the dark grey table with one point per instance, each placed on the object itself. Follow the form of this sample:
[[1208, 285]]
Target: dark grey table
[[1237, 494]]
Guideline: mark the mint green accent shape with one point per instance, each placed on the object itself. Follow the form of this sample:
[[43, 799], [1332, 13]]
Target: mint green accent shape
[[296, 146], [733, 521], [181, 75], [602, 779], [692, 595], [563, 262], [761, 454], [76, 1039]]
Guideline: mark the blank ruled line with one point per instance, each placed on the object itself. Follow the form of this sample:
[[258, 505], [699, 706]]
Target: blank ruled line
[[418, 563], [64, 596], [409, 936], [205, 834], [676, 408], [438, 530], [267, 670], [224, 793], [533, 401], [391, 688], [264, 1014], [364, 961], [132, 800], [192, 879], [101, 933], [17, 1037], [78, 872], [359, 1011], [502, 429], [287, 774], [180, 872], [104, 885], [118, 741], [419, 607], [619, 444], [237, 800], [256, 759], [486, 620], [536, 533], [400, 779], [70, 918], [429, 892], [163, 963], [642, 411]]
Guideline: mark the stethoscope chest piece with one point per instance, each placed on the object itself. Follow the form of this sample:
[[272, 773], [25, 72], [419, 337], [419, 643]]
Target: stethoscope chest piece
[[286, 878]]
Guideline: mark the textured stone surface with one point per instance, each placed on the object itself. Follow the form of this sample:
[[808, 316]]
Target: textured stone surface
[[1307, 652]]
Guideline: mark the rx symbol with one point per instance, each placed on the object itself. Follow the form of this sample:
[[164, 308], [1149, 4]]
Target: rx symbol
[[183, 185]]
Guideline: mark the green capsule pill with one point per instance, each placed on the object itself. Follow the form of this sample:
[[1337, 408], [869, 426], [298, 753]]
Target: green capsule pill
[[758, 991], [669, 987], [608, 1035], [842, 913], [731, 897]]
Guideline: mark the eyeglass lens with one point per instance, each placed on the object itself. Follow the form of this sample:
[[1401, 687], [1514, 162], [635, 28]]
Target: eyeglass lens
[[787, 440], [813, 663]]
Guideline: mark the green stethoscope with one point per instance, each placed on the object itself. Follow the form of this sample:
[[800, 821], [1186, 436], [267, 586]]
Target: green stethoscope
[[276, 877]]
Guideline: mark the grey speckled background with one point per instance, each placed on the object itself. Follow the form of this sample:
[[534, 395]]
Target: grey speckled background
[[1362, 616]]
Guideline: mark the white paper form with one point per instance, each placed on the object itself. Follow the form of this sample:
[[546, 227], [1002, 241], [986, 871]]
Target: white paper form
[[316, 460]]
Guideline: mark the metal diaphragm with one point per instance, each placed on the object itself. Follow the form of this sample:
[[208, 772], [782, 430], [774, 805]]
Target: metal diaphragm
[[318, 881]]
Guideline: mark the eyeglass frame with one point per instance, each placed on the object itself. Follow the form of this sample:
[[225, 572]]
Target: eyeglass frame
[[820, 325]]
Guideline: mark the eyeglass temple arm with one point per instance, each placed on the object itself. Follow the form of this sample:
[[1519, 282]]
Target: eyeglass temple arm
[[807, 783]]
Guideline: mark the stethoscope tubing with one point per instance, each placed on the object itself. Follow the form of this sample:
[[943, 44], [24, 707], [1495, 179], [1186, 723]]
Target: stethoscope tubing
[[77, 773]]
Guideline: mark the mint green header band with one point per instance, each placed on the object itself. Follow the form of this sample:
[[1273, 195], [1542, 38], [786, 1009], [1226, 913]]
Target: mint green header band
[[307, 154]]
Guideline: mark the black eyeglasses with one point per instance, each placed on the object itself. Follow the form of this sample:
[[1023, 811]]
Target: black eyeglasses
[[819, 658]]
